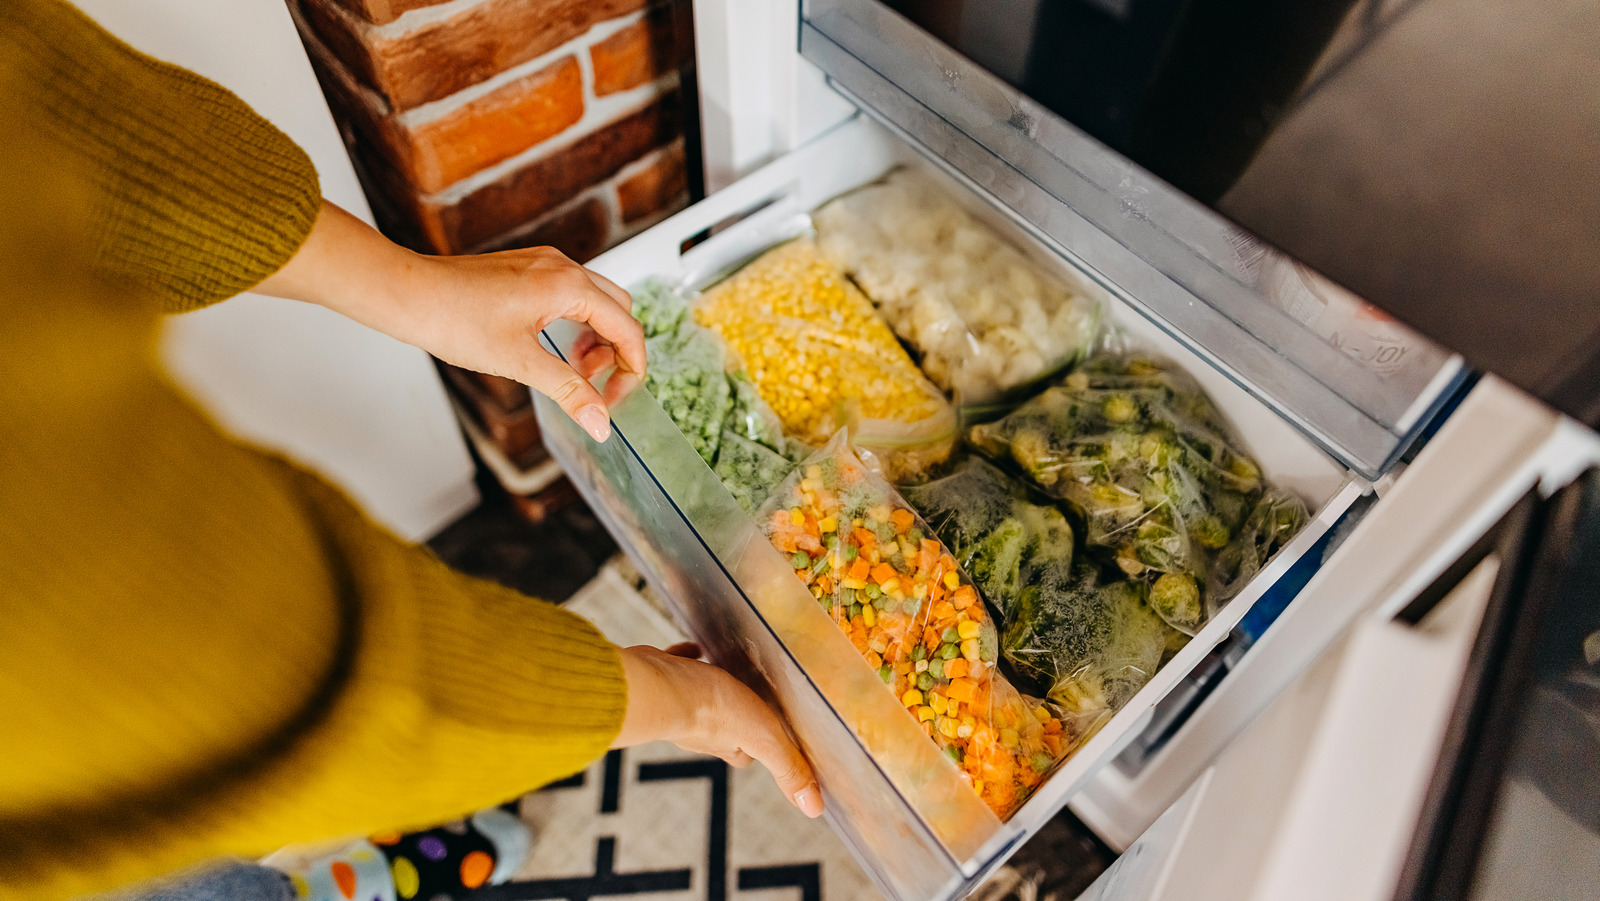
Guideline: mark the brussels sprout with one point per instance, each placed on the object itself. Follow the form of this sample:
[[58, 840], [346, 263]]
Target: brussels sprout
[[1176, 598]]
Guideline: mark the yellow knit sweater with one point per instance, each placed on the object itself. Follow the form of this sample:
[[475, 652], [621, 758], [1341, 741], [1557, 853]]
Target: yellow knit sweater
[[203, 649]]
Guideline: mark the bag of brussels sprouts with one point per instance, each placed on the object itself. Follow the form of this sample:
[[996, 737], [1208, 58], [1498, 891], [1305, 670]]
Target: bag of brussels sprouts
[[1140, 452], [1087, 642]]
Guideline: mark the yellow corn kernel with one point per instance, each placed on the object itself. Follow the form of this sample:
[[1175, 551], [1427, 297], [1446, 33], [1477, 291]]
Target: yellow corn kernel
[[856, 584], [890, 586], [1041, 713], [922, 666], [969, 649], [948, 727], [857, 522], [964, 731], [952, 581], [968, 629], [869, 615], [1009, 738], [911, 698], [828, 524], [924, 714], [937, 702], [796, 517]]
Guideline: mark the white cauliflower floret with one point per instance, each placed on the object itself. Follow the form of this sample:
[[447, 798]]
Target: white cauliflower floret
[[982, 317]]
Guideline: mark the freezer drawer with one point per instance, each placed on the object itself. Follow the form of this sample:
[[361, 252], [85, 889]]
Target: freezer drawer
[[890, 794]]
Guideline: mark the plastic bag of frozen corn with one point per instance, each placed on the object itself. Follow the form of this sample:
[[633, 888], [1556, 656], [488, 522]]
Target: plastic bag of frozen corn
[[820, 356], [983, 319], [898, 594]]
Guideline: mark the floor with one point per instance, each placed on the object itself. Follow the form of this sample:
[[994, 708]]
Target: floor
[[656, 823]]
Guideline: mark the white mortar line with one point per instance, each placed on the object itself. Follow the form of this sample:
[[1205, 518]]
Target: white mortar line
[[436, 109], [602, 111], [412, 19]]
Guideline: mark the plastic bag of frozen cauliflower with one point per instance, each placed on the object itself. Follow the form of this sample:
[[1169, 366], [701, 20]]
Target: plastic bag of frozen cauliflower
[[982, 317]]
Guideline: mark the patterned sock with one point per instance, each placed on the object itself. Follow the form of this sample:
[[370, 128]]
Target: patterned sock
[[457, 857], [442, 863]]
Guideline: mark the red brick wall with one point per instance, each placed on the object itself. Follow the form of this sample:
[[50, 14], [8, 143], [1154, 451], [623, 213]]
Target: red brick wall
[[490, 124], [487, 124]]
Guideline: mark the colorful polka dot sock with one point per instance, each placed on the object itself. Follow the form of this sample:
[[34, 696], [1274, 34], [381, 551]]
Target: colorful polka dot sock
[[443, 863]]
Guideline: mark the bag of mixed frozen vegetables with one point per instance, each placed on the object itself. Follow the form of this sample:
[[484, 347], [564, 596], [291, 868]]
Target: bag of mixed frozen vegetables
[[821, 358], [906, 606], [1138, 449], [1088, 640], [982, 318], [710, 398]]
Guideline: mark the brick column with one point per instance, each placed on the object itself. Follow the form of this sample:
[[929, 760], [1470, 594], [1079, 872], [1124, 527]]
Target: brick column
[[481, 125]]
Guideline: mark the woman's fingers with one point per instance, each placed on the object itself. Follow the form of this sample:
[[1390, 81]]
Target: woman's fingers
[[765, 740], [616, 326], [685, 649], [556, 380], [610, 287]]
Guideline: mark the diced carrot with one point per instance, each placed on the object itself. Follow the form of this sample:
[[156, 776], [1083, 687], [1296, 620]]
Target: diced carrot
[[1052, 743], [955, 669], [883, 572], [963, 690], [864, 538], [902, 519], [1053, 727], [860, 569], [943, 611], [873, 660], [826, 584], [964, 597], [930, 638]]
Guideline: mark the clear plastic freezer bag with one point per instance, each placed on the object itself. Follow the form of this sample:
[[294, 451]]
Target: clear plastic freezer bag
[[982, 318], [1085, 638], [709, 397], [1138, 449], [821, 358], [904, 603]]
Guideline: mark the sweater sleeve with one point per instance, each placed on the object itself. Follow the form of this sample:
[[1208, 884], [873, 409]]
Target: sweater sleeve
[[198, 197], [206, 650]]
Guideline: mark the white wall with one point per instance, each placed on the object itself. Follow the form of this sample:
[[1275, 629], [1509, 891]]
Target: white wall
[[366, 411]]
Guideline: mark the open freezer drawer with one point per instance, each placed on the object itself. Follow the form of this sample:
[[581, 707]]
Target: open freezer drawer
[[890, 794]]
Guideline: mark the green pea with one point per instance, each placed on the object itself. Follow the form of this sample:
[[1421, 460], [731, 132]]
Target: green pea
[[855, 610], [800, 560], [936, 668], [1040, 762], [873, 590], [949, 652], [911, 606], [919, 653], [924, 681], [915, 536], [849, 552], [950, 634]]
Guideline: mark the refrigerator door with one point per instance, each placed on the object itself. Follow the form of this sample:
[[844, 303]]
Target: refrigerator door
[[897, 801]]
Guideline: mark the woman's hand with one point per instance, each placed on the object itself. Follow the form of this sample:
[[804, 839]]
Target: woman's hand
[[480, 312], [701, 708]]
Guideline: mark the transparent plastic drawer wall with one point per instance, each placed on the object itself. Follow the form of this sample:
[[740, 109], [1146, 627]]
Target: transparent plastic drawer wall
[[890, 794]]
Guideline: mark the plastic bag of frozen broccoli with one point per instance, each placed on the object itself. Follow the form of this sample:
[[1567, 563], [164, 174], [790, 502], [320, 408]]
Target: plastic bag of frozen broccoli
[[1138, 449], [1087, 642], [906, 606]]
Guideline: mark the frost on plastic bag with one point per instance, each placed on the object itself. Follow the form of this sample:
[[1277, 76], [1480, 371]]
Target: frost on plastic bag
[[686, 375], [1086, 641], [709, 396], [821, 358], [749, 470], [1140, 451], [905, 605], [1276, 518], [982, 318]]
